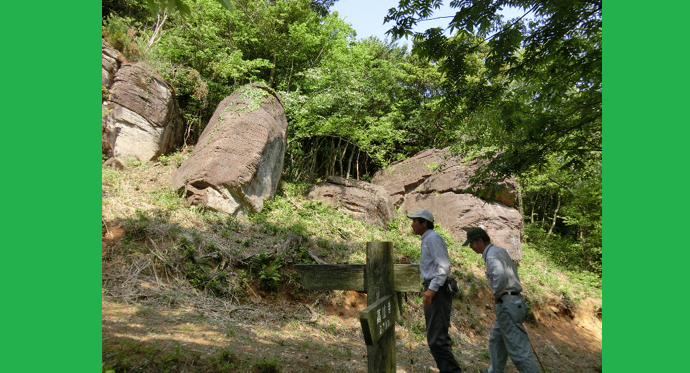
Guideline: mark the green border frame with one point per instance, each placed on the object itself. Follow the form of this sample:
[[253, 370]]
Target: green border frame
[[645, 150], [50, 271]]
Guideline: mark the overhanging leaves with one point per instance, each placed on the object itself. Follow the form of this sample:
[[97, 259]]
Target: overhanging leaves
[[161, 6], [526, 89]]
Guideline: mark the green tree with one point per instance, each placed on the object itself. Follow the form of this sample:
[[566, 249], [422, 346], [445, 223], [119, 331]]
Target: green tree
[[537, 91], [365, 104], [528, 94], [164, 6], [353, 105], [563, 212]]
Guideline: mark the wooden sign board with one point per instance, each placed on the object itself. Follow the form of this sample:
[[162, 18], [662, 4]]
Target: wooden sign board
[[378, 318], [380, 279], [353, 277]]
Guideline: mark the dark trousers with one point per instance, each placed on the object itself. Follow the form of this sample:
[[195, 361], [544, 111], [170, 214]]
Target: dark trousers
[[437, 317]]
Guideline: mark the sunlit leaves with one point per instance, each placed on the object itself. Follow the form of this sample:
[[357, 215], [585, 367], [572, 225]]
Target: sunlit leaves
[[162, 6], [535, 86]]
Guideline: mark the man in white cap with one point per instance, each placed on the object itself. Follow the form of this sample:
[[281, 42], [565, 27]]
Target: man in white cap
[[435, 268], [508, 336]]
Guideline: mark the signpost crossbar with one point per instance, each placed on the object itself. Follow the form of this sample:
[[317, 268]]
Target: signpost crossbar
[[380, 279]]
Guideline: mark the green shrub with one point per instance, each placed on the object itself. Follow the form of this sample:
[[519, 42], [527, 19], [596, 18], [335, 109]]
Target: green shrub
[[270, 277], [227, 355], [122, 34], [174, 159], [565, 252], [135, 231], [268, 365]]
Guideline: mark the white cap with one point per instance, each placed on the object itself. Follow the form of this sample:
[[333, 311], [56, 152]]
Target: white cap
[[424, 214]]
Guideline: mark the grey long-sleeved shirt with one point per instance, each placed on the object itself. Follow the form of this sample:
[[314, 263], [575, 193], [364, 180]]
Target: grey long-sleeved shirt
[[501, 271], [435, 264]]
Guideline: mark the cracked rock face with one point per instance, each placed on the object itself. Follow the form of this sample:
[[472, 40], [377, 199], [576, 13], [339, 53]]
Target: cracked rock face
[[143, 119], [363, 201], [238, 159], [110, 62], [416, 183]]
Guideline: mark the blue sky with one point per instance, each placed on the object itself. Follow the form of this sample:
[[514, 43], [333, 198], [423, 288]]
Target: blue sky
[[366, 17]]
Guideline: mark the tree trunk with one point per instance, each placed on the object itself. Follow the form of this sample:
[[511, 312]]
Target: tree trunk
[[555, 215], [521, 207], [349, 163], [315, 155], [534, 203], [357, 163], [532, 215], [341, 158], [582, 243], [292, 64], [157, 29], [273, 71], [366, 169], [335, 155]]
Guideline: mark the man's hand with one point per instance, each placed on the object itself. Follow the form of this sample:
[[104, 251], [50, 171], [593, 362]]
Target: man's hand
[[428, 294], [496, 299], [404, 260]]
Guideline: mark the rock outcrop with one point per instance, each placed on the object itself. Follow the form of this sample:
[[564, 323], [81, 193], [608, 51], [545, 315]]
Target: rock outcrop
[[110, 63], [459, 213], [364, 201], [143, 119], [238, 159], [428, 171], [440, 185]]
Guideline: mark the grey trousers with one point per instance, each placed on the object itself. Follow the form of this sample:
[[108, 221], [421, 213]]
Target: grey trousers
[[509, 337], [437, 317]]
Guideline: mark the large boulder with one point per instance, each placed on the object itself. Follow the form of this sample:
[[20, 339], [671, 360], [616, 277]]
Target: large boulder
[[143, 120], [430, 171], [238, 159], [440, 184], [364, 201], [111, 60], [459, 213]]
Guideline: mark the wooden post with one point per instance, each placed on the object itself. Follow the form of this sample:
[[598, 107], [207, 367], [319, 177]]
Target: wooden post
[[380, 279], [379, 283]]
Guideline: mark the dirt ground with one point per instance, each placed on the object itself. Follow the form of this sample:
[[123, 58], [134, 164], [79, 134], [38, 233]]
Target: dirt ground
[[331, 343], [319, 335], [167, 326]]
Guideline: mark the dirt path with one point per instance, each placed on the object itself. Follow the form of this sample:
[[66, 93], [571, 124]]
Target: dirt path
[[137, 337]]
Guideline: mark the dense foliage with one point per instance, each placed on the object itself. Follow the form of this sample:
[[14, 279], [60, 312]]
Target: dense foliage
[[526, 94], [353, 105], [537, 91], [529, 92]]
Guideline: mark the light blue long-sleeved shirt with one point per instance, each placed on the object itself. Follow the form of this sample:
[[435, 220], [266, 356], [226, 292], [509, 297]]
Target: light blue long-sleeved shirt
[[501, 271], [435, 264]]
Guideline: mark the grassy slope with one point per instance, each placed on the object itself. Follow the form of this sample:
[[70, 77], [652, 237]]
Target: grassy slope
[[184, 274]]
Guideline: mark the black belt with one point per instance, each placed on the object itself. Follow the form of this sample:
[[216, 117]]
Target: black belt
[[426, 285], [508, 293]]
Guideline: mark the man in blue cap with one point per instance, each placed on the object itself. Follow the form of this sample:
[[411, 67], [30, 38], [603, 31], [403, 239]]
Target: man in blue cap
[[508, 336], [435, 268]]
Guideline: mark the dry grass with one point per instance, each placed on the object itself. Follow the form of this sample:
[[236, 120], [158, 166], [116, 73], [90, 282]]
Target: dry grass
[[155, 318]]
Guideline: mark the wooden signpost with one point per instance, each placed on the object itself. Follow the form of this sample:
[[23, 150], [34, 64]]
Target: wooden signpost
[[380, 279]]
